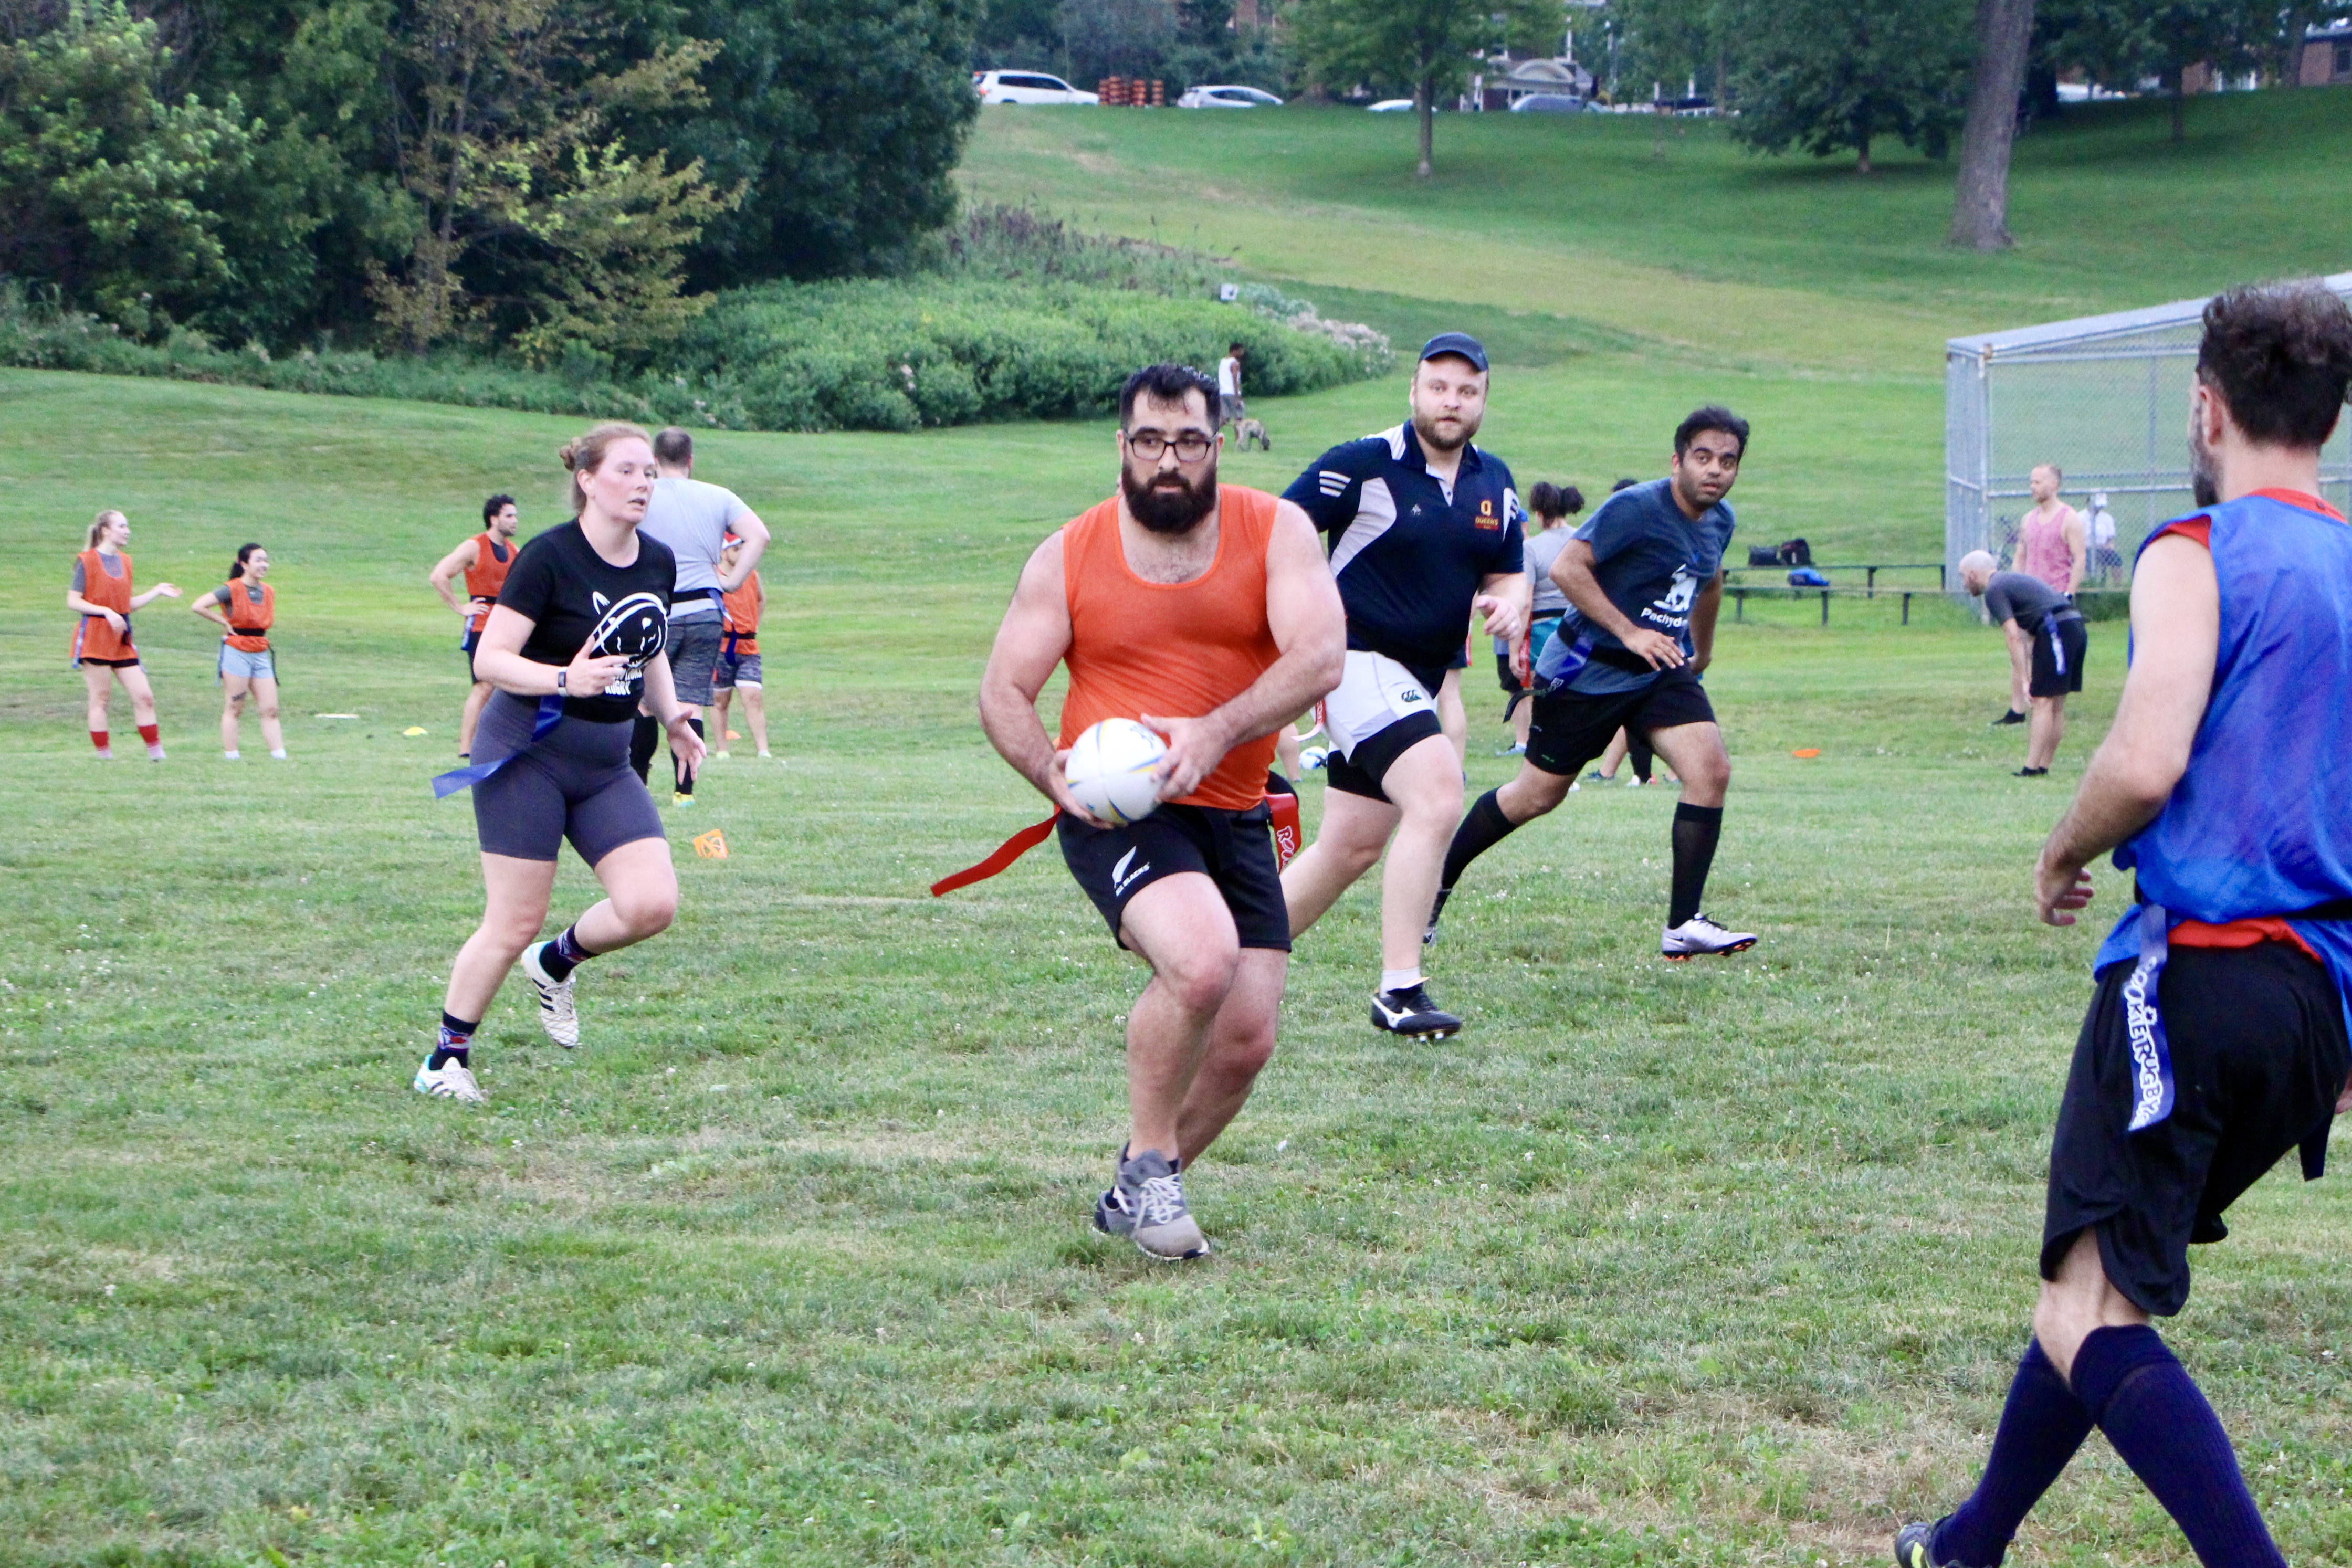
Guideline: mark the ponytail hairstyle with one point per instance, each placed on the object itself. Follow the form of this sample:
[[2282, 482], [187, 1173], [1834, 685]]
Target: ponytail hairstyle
[[97, 527], [237, 567], [1549, 500], [585, 454]]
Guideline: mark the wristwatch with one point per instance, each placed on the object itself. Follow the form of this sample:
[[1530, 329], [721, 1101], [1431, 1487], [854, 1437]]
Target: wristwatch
[[562, 677]]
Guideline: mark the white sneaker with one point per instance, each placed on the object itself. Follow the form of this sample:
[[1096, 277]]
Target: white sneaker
[[451, 1080], [556, 1015], [1699, 936]]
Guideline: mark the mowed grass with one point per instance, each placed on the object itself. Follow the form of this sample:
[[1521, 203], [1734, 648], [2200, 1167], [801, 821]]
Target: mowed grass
[[790, 1264]]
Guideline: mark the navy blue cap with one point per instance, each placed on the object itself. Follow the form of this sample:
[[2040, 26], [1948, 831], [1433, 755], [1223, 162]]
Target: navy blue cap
[[1461, 343]]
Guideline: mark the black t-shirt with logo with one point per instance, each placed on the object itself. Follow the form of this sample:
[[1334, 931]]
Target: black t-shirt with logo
[[572, 595]]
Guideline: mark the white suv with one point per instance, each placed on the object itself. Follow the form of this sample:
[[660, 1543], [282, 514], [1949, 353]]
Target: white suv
[[1027, 86]]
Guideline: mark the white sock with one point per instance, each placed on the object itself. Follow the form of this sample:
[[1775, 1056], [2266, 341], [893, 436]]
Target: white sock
[[232, 757], [279, 754], [1400, 979]]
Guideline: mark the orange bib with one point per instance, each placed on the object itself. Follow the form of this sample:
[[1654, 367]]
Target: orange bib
[[249, 623], [486, 577], [92, 637]]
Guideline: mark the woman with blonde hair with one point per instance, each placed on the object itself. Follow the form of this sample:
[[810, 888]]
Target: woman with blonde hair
[[573, 645], [102, 595], [244, 608]]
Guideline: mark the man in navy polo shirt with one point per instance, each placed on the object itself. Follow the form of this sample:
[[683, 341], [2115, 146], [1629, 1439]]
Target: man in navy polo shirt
[[1424, 530], [1644, 580]]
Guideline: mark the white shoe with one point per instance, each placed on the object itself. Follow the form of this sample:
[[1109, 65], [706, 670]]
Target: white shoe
[[451, 1080], [1573, 789], [232, 757], [556, 1014], [1699, 936]]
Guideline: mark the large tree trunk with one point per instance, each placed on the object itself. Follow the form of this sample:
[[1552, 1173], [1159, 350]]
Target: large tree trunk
[[1424, 111], [1980, 203]]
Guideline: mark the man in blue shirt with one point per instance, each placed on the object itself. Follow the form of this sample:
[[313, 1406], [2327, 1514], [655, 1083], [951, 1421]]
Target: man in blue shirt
[[1424, 530], [1644, 580]]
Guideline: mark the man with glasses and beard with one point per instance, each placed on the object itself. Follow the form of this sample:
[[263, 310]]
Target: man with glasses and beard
[[1207, 615], [1424, 530]]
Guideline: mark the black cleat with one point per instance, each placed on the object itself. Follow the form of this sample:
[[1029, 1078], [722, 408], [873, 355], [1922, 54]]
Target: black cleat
[[1410, 1012], [2012, 717], [1914, 1547], [1429, 934]]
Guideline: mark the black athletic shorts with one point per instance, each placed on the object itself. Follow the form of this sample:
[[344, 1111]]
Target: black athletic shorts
[[576, 784], [1571, 729], [130, 664], [1232, 848], [465, 645], [1367, 771], [2058, 649], [2259, 1055]]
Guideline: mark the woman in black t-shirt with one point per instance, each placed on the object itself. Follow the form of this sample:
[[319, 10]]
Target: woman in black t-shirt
[[572, 645]]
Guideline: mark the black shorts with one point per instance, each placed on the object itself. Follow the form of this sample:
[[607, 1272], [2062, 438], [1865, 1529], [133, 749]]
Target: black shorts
[[1232, 848], [1366, 772], [576, 784], [2058, 649], [1571, 729], [130, 664], [1503, 673], [465, 645], [2259, 1055]]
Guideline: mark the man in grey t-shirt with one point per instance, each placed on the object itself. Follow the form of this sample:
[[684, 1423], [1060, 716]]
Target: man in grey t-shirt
[[693, 519], [2046, 644]]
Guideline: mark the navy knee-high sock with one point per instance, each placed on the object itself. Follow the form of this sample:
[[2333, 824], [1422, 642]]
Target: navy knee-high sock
[[2144, 1401], [1483, 826], [684, 780], [643, 740], [2041, 1427]]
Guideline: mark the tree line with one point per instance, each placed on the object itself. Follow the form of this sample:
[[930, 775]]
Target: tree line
[[546, 177]]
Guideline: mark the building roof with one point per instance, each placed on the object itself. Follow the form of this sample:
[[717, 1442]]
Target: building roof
[[2052, 337]]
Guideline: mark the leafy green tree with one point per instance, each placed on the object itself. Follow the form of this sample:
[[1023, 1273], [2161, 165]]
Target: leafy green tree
[[1427, 45], [2122, 42], [1830, 76], [842, 119], [1675, 42], [107, 191]]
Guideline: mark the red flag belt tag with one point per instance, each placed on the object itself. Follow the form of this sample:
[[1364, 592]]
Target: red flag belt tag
[[1010, 850]]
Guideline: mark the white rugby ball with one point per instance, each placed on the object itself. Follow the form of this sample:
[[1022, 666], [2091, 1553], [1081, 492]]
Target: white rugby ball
[[1114, 770]]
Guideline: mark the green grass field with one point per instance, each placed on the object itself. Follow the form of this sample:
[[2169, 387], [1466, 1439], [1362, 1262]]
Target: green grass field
[[789, 1264]]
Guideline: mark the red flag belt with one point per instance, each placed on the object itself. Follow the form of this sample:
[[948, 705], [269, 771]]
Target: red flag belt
[[1010, 850]]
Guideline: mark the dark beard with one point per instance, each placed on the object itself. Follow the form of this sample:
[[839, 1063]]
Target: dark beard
[[2204, 483], [1166, 508]]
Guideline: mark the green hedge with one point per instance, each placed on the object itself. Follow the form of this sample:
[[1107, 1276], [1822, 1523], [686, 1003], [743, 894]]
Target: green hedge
[[870, 354]]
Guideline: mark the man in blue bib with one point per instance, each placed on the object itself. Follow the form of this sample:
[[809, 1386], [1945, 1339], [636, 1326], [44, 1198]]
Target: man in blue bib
[[2216, 1041]]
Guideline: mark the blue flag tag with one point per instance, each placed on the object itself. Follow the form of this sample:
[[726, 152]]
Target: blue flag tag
[[550, 715], [2152, 1088], [1561, 661]]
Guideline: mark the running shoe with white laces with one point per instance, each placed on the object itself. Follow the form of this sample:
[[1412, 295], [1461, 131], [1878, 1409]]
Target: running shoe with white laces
[[1699, 936], [450, 1081], [1147, 1206], [556, 1014], [1410, 1012]]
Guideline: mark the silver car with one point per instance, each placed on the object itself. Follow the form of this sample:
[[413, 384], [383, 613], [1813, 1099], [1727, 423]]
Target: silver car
[[1228, 97]]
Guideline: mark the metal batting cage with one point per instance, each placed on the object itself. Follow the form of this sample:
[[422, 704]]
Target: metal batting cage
[[2106, 398]]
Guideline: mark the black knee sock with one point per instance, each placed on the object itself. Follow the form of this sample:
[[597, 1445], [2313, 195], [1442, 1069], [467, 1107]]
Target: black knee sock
[[2041, 1425], [679, 775], [643, 741], [563, 955], [1696, 827], [1483, 826], [1641, 757], [457, 1034]]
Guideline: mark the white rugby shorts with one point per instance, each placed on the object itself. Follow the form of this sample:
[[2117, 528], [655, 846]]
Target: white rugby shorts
[[1373, 694]]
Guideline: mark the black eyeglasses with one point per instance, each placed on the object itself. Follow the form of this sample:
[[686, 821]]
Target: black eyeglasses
[[1191, 445]]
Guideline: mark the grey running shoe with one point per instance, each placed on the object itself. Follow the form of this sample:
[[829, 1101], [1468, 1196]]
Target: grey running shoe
[[1147, 1206]]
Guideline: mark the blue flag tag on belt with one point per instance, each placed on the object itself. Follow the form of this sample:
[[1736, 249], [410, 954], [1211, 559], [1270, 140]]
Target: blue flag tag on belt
[[550, 715], [2152, 1088], [1561, 661]]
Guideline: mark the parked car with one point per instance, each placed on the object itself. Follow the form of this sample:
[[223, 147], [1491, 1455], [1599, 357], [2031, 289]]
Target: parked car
[[1027, 86], [1391, 106], [1550, 103], [1228, 97]]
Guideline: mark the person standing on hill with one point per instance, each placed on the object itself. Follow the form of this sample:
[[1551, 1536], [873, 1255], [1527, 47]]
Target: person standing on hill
[[739, 652], [244, 608], [2047, 642], [1426, 530], [483, 560], [1205, 612], [693, 519], [101, 592], [1644, 581], [574, 646], [2215, 1041]]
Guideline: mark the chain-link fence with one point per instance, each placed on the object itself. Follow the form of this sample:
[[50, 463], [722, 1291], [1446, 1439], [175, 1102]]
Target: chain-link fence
[[2105, 398]]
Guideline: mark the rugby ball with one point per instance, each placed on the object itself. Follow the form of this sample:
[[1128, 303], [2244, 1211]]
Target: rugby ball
[[1114, 770]]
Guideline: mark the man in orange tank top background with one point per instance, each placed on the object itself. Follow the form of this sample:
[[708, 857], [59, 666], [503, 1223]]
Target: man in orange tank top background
[[482, 560], [1209, 615]]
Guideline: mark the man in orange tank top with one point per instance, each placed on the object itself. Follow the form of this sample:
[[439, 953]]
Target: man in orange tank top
[[1209, 615], [482, 560]]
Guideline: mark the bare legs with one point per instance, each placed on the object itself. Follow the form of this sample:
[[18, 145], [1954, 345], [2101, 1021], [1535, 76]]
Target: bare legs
[[1425, 784], [2045, 725], [264, 690], [475, 700], [1203, 1027], [640, 901], [98, 685]]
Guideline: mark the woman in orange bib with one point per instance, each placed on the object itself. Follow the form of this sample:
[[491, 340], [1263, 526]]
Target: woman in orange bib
[[244, 607], [102, 595]]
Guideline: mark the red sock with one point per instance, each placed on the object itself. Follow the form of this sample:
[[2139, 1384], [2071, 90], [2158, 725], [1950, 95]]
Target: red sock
[[151, 734], [98, 739]]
